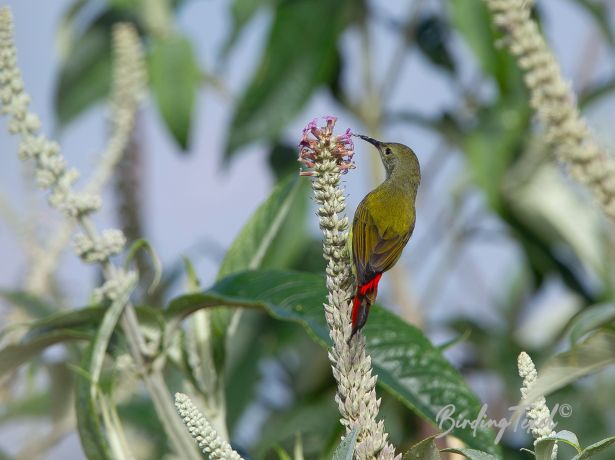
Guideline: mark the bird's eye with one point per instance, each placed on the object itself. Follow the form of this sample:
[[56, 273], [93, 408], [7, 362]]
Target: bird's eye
[[387, 151]]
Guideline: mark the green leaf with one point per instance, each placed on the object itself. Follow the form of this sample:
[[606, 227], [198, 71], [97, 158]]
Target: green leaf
[[103, 335], [192, 280], [492, 146], [424, 450], [143, 244], [569, 438], [315, 416], [90, 430], [345, 449], [85, 75], [175, 79], [586, 357], [282, 454], [283, 160], [257, 237], [92, 438], [242, 11], [472, 20], [595, 448], [255, 243], [13, 356], [66, 326], [407, 364], [290, 70], [31, 304], [544, 447], [60, 389], [471, 454], [455, 340], [34, 405], [591, 318], [432, 38]]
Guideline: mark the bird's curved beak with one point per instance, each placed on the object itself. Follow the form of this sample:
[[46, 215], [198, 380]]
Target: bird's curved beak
[[374, 142]]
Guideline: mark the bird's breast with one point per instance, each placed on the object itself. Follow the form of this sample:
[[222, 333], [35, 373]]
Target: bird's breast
[[392, 210]]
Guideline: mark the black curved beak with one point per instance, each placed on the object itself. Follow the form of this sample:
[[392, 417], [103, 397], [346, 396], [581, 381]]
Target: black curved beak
[[374, 142]]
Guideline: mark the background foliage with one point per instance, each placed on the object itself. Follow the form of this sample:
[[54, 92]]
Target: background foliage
[[508, 254]]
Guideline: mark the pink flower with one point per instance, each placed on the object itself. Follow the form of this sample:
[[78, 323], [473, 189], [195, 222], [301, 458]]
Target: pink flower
[[317, 141]]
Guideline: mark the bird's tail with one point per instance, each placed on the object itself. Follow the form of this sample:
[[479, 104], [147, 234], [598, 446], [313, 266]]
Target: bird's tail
[[363, 300]]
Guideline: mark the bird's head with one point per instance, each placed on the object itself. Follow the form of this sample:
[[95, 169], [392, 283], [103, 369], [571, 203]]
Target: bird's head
[[398, 158]]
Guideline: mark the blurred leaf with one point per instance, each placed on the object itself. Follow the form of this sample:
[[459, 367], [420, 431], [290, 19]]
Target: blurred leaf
[[191, 276], [424, 450], [90, 431], [85, 75], [599, 11], [292, 237], [539, 194], [407, 364], [460, 338], [586, 357], [282, 454], [298, 449], [472, 20], [13, 356], [143, 245], [61, 389], [175, 79], [596, 93], [471, 454], [591, 318], [242, 11], [283, 160], [432, 35], [37, 405], [315, 418], [139, 412], [103, 335], [595, 448], [241, 381], [544, 447], [309, 260], [31, 304], [569, 438], [345, 450], [249, 250], [259, 235], [290, 70], [492, 146], [445, 124], [65, 29], [66, 326]]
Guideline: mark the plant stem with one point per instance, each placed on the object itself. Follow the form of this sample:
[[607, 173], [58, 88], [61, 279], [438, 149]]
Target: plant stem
[[157, 388]]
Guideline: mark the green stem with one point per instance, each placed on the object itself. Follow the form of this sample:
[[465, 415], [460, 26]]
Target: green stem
[[157, 388]]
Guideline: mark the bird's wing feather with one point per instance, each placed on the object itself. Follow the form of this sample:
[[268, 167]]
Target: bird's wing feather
[[374, 249]]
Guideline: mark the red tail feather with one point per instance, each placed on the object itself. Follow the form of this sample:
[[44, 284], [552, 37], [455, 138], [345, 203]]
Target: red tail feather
[[363, 300]]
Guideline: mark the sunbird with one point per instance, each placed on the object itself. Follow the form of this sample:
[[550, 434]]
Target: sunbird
[[383, 224]]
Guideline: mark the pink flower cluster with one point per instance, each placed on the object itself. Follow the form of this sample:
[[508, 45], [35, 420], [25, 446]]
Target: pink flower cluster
[[316, 138]]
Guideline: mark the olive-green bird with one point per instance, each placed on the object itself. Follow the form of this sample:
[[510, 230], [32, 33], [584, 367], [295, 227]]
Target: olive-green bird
[[383, 224]]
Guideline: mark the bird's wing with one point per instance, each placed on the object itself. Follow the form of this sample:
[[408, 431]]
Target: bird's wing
[[374, 249]]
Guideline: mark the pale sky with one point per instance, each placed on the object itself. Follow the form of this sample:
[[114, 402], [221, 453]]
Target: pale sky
[[190, 198]]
